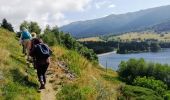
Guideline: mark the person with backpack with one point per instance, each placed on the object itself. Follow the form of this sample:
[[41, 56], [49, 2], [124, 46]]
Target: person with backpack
[[25, 40], [40, 53]]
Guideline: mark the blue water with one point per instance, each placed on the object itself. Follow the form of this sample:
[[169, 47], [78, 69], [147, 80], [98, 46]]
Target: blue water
[[112, 60]]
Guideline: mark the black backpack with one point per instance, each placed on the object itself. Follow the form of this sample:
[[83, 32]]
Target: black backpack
[[42, 51]]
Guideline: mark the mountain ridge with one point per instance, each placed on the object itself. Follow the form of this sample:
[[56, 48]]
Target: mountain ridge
[[116, 24]]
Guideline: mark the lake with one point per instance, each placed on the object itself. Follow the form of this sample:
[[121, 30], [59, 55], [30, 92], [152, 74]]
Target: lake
[[112, 60]]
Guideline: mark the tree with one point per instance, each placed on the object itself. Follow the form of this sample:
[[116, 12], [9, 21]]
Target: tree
[[34, 27], [24, 24], [52, 36], [154, 47], [129, 70], [31, 26], [47, 29], [7, 25], [151, 83]]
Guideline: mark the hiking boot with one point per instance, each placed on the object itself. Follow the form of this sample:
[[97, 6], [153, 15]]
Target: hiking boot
[[42, 86]]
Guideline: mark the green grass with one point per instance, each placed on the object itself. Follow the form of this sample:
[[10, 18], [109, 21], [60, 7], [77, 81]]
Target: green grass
[[91, 82], [15, 85], [112, 79], [139, 93], [73, 92], [75, 62]]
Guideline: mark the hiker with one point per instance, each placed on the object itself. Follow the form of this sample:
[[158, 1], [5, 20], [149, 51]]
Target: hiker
[[25, 40], [40, 53], [34, 35]]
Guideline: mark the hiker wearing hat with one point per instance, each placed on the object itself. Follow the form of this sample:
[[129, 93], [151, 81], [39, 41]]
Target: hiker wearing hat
[[26, 40]]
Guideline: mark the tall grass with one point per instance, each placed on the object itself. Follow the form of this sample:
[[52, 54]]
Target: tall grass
[[91, 82], [15, 85]]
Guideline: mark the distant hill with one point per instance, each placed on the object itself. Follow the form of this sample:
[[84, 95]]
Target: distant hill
[[162, 27], [116, 24]]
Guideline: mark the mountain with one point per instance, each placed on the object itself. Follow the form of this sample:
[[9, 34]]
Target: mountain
[[116, 24], [162, 27]]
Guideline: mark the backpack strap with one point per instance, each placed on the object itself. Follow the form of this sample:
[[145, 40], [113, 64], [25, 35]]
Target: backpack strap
[[40, 46]]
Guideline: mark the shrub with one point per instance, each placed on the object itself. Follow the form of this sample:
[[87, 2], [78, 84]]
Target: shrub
[[129, 70], [151, 83], [74, 62], [167, 95], [54, 37], [71, 92], [138, 93], [103, 92]]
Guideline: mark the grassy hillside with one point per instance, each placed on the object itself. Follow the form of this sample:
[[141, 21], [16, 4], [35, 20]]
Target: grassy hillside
[[90, 81], [94, 39], [14, 84], [141, 36]]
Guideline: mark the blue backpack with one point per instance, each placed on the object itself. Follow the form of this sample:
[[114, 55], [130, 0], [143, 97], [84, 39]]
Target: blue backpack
[[26, 35]]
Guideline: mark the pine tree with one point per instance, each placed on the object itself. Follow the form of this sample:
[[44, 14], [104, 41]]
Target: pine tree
[[7, 25]]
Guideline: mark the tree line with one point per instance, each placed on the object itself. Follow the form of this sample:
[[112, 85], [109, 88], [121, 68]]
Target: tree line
[[125, 47], [6, 25], [52, 36]]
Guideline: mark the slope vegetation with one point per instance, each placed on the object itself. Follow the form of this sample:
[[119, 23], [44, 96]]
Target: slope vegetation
[[70, 76], [15, 82]]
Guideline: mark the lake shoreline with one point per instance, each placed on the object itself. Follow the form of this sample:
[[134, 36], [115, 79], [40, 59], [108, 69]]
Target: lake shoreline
[[114, 59], [106, 53]]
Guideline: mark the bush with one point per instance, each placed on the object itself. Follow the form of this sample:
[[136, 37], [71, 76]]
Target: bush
[[71, 92], [74, 62], [129, 70], [151, 83], [49, 39], [167, 95], [54, 37], [154, 47], [138, 93]]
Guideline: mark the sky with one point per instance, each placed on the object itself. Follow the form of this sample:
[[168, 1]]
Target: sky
[[62, 12]]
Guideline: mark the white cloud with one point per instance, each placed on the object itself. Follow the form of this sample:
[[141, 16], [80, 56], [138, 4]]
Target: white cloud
[[104, 4], [44, 12], [111, 6], [100, 4]]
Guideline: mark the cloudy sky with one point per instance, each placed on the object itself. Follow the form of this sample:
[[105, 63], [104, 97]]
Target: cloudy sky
[[61, 12]]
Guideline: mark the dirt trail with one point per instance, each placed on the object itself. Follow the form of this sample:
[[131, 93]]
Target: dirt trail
[[48, 93], [57, 75]]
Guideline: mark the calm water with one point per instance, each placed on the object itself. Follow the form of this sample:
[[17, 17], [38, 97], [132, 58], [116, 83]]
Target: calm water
[[113, 60]]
